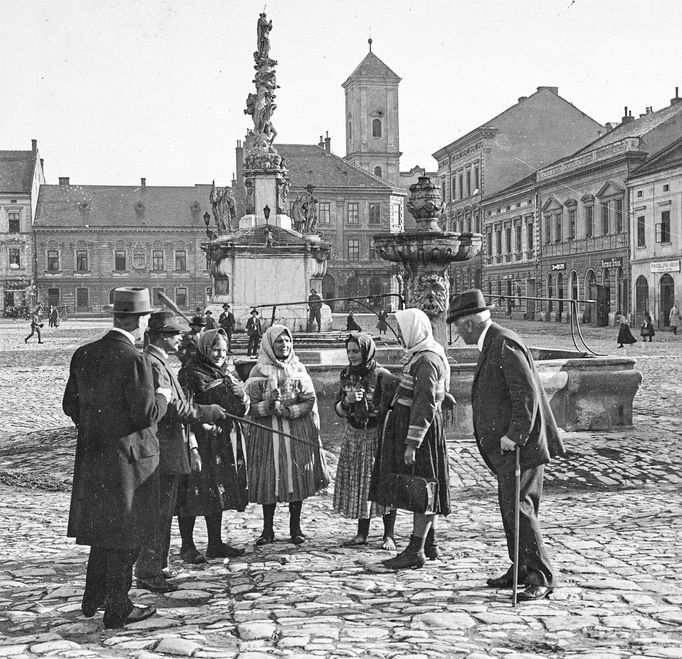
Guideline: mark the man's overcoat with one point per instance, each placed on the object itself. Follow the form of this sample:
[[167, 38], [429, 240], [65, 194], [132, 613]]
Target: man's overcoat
[[508, 399], [110, 397]]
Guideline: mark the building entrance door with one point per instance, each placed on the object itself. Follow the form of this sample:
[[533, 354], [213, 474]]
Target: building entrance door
[[667, 296], [603, 304], [641, 299]]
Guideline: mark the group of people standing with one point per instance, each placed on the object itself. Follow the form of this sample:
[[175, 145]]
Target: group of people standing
[[153, 445]]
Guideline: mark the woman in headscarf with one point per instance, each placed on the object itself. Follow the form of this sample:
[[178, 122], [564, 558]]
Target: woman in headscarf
[[355, 402], [413, 435], [221, 482], [283, 468]]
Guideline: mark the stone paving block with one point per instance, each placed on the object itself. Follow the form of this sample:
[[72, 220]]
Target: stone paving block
[[177, 646], [54, 646], [256, 630]]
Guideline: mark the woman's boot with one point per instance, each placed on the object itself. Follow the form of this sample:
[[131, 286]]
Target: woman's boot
[[188, 552], [411, 557], [216, 547], [431, 549], [297, 536], [268, 534]]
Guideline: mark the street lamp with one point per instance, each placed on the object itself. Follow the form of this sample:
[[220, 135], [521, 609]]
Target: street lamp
[[207, 219], [266, 212]]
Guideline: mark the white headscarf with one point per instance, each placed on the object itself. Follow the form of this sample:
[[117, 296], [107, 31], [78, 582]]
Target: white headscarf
[[417, 332]]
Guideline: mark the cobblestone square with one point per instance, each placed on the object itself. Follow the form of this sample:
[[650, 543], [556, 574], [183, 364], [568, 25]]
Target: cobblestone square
[[611, 518]]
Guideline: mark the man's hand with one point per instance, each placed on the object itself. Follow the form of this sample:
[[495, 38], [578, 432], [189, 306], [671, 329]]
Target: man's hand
[[410, 453], [217, 412], [507, 445], [354, 396], [237, 389], [194, 460]]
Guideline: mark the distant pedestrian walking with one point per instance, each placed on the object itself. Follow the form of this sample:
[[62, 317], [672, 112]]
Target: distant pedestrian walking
[[254, 329], [35, 327], [674, 318], [382, 325], [624, 333], [647, 329], [314, 311]]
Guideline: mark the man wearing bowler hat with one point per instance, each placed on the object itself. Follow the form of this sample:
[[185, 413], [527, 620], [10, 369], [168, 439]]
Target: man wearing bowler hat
[[226, 321], [179, 451], [510, 411], [110, 396], [188, 343]]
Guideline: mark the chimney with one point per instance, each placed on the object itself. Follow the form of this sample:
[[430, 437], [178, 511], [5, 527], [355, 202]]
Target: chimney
[[677, 98], [239, 161], [522, 98], [64, 180], [34, 146], [143, 182], [328, 144], [554, 90], [321, 142], [627, 116]]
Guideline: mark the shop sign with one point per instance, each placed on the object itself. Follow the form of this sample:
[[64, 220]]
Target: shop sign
[[15, 283], [558, 266], [508, 277], [665, 266], [612, 263]]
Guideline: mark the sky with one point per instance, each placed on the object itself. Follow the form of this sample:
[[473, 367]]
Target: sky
[[116, 90]]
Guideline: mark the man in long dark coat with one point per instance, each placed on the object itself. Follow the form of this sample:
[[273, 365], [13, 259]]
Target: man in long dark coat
[[226, 321], [111, 398], [510, 410], [314, 310], [179, 451]]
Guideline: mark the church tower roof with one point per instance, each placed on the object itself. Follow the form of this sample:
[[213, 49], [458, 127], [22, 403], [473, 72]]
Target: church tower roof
[[372, 67]]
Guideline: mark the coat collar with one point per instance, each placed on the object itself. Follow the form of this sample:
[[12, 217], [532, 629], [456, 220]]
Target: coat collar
[[491, 332]]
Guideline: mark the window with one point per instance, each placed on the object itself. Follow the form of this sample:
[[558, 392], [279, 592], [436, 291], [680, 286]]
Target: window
[[498, 241], [453, 189], [639, 194], [460, 183], [14, 258], [548, 229], [353, 213], [529, 235], [375, 213], [14, 221], [53, 296], [180, 259], [139, 258], [468, 183], [120, 260], [353, 249], [558, 235], [82, 298], [324, 212], [442, 189], [82, 261], [378, 172], [517, 234], [476, 180], [52, 260], [665, 227], [619, 215], [489, 240], [181, 296], [508, 239], [589, 221], [155, 294], [209, 293], [604, 218], [397, 216], [641, 231], [157, 260], [666, 187], [376, 128], [571, 224]]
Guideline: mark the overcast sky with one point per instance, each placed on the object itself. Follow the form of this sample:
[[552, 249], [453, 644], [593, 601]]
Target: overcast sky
[[117, 90]]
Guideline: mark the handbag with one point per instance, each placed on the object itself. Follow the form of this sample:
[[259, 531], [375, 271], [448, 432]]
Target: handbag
[[410, 492]]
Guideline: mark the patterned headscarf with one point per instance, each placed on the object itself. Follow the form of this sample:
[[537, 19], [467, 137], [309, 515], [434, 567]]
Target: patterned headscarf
[[206, 339], [417, 332], [368, 351]]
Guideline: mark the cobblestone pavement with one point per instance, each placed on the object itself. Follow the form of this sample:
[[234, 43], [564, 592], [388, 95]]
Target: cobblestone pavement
[[611, 518]]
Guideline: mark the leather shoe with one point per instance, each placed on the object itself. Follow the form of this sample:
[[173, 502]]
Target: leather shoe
[[265, 539], [192, 555], [505, 581], [404, 560], [169, 573], [89, 609], [298, 539], [223, 550], [534, 592], [157, 584], [138, 614], [432, 552]]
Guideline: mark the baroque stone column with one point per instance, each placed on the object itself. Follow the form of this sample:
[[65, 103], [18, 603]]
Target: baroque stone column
[[426, 253]]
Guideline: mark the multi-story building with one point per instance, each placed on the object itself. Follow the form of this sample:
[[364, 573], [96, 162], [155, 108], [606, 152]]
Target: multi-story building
[[528, 135], [585, 215], [91, 239], [654, 193], [21, 175]]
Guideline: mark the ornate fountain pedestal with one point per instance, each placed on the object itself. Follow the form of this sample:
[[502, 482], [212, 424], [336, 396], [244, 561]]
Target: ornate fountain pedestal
[[426, 253]]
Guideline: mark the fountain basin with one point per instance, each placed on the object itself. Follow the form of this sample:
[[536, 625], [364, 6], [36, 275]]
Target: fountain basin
[[432, 247]]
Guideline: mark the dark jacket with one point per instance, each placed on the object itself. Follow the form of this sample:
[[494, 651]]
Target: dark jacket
[[254, 326], [226, 321], [173, 431], [507, 398], [110, 397]]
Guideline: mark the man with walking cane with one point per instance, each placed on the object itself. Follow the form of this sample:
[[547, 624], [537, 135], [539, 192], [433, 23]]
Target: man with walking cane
[[513, 425]]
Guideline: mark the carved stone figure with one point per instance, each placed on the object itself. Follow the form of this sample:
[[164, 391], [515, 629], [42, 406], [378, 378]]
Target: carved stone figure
[[430, 293], [263, 29], [297, 216], [310, 211], [224, 208]]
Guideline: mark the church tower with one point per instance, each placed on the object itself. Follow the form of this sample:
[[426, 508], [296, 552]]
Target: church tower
[[372, 127]]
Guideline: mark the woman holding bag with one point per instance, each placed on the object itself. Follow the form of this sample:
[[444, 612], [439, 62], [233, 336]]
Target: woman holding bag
[[221, 483], [413, 440], [283, 468]]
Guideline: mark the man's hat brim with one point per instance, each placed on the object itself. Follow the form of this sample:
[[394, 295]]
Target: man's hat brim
[[455, 315]]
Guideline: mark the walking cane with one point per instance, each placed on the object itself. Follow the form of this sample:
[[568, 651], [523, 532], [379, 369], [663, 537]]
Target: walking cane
[[517, 496]]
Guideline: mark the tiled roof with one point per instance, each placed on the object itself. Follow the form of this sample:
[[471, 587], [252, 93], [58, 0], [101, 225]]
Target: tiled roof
[[635, 128], [667, 158], [311, 165], [372, 67], [16, 171], [122, 206]]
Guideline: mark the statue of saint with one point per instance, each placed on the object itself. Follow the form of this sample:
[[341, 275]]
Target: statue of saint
[[263, 28], [224, 208], [310, 211]]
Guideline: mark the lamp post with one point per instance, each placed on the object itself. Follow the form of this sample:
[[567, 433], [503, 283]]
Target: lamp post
[[266, 212]]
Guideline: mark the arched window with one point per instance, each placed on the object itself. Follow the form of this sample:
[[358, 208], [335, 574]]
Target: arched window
[[377, 171], [641, 298], [550, 293], [376, 128]]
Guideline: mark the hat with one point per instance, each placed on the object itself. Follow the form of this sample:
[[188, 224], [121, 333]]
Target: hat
[[198, 320], [208, 312], [254, 311], [313, 291], [226, 306], [132, 301], [164, 322], [466, 304]]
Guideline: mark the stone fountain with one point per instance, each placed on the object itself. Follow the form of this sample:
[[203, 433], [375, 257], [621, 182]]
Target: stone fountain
[[260, 259], [426, 253]]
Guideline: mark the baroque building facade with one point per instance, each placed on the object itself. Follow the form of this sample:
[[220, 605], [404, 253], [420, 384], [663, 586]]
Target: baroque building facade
[[535, 131], [21, 175], [91, 239]]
